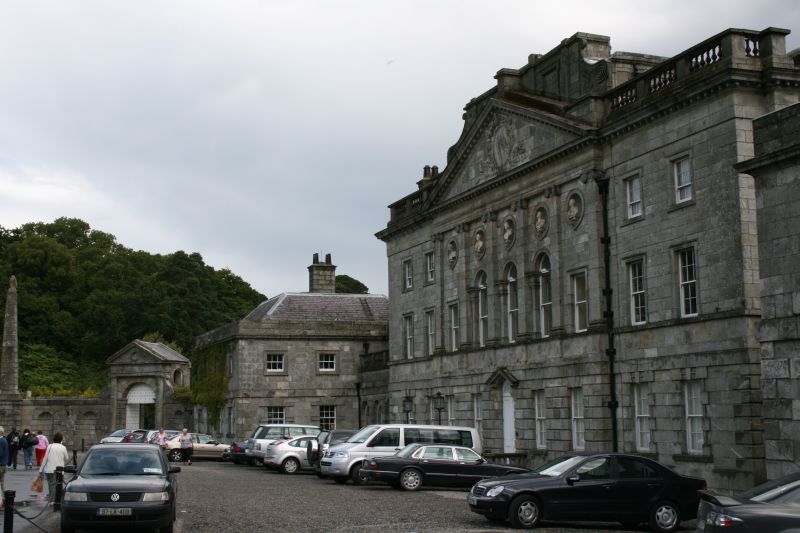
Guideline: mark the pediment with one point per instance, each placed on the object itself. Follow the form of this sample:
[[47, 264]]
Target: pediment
[[501, 375], [140, 352], [504, 138]]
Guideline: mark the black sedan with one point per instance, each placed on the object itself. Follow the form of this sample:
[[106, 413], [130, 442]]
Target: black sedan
[[592, 487], [773, 506], [433, 464], [120, 486]]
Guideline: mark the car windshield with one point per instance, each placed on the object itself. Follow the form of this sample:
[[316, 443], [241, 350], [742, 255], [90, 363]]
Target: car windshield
[[122, 463], [364, 434], [559, 466], [408, 450], [772, 489]]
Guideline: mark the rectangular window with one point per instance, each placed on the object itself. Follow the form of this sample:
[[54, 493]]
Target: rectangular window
[[408, 336], [688, 280], [327, 362], [454, 319], [545, 305], [327, 417], [637, 291], [451, 412], [478, 413], [274, 362], [275, 415], [578, 429], [408, 275], [430, 332], [540, 418], [483, 315], [430, 267], [581, 311], [633, 188], [683, 180], [694, 417], [641, 407], [513, 309]]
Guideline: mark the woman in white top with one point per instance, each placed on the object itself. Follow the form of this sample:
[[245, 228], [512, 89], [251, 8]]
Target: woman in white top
[[55, 456]]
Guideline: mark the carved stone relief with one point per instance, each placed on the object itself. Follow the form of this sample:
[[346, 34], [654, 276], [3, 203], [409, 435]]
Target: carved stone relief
[[479, 244], [541, 221], [574, 209], [508, 232], [452, 254]]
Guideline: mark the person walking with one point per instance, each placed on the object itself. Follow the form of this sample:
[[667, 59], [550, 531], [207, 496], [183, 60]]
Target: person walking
[[162, 438], [3, 462], [28, 441], [56, 455], [186, 447], [13, 447], [41, 447]]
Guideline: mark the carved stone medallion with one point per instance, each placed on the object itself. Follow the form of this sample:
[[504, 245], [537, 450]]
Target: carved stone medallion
[[452, 254], [540, 221], [574, 209], [479, 244], [508, 232]]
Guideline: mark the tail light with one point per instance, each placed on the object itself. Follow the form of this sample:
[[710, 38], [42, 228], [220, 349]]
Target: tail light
[[277, 443], [373, 465]]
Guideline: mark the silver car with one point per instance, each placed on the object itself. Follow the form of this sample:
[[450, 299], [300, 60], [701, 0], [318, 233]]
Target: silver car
[[289, 455], [116, 436]]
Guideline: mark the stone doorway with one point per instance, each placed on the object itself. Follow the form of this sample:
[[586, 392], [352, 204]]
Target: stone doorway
[[140, 411]]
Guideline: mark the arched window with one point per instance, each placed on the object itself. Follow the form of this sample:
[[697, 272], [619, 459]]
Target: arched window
[[483, 309], [177, 378], [512, 303], [545, 296]]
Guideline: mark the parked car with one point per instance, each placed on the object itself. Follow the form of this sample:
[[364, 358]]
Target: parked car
[[118, 486], [137, 436], [152, 434], [115, 437], [203, 447], [267, 433], [317, 447], [433, 464], [236, 453], [288, 456], [772, 506], [343, 461], [594, 487]]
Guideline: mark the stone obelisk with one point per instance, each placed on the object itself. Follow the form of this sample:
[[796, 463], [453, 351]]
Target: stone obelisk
[[9, 369]]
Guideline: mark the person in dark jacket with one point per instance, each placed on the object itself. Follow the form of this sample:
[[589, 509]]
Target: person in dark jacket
[[13, 447], [28, 440], [3, 461]]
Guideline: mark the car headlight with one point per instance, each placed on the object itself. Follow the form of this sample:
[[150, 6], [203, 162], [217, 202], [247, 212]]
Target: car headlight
[[341, 455], [494, 491], [75, 497], [155, 497]]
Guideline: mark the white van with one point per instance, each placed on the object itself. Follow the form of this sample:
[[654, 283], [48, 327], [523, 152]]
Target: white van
[[266, 434], [343, 461]]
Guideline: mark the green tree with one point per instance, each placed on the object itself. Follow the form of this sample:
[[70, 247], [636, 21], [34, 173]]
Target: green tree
[[347, 285]]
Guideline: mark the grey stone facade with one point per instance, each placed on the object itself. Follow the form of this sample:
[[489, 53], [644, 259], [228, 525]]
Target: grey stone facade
[[776, 169], [305, 357], [610, 180]]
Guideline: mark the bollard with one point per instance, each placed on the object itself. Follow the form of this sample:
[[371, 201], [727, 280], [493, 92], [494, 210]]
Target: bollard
[[75, 455], [8, 512], [59, 488]]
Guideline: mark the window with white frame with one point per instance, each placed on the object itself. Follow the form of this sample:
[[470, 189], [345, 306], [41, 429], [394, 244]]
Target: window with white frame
[[578, 428], [274, 362], [633, 189], [512, 303], [641, 408], [327, 362], [430, 267], [430, 332], [408, 336], [483, 309], [477, 410], [683, 180], [545, 297], [580, 302], [327, 417], [408, 274], [688, 280], [694, 416], [540, 418], [275, 415], [455, 339], [451, 411], [637, 292]]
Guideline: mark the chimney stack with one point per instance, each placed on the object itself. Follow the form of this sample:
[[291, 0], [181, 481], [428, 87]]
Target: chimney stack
[[322, 276]]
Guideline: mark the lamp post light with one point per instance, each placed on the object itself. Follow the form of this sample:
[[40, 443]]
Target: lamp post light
[[408, 406], [438, 404]]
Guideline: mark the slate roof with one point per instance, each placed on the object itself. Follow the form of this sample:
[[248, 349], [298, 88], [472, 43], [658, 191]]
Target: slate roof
[[164, 352], [322, 307]]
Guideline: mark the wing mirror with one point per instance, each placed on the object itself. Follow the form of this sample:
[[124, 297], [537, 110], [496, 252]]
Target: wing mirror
[[70, 469], [571, 480]]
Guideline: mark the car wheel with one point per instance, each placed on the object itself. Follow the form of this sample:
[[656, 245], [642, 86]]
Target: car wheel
[[175, 455], [357, 477], [665, 517], [341, 480], [290, 466], [411, 479], [525, 512]]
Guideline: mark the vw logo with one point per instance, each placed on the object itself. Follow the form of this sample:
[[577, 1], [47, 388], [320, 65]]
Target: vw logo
[[115, 497]]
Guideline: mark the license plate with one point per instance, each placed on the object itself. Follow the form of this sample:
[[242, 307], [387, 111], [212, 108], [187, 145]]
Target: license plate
[[114, 511], [472, 500]]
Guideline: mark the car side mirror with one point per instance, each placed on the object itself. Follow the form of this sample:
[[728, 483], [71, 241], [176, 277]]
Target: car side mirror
[[70, 469], [174, 469], [571, 480]]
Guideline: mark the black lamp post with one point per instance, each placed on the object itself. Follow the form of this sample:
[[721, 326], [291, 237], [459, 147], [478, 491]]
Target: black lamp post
[[408, 406], [438, 404]]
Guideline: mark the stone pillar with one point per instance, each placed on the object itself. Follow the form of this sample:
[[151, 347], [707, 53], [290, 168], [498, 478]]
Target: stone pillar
[[9, 371]]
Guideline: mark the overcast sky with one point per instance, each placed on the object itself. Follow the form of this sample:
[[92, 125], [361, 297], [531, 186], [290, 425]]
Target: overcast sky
[[259, 132]]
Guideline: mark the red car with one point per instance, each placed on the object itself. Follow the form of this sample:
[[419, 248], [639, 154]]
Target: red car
[[137, 435]]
